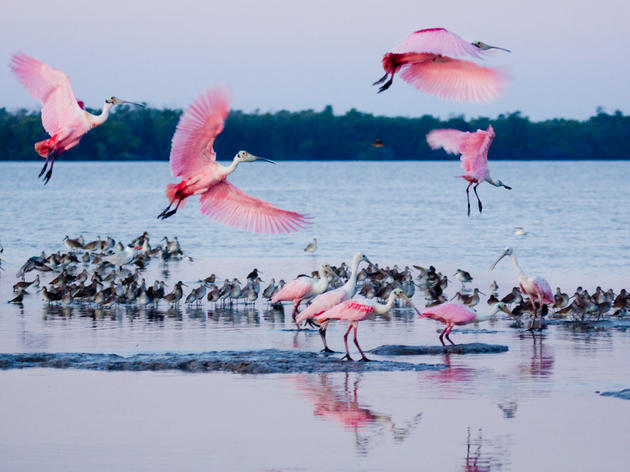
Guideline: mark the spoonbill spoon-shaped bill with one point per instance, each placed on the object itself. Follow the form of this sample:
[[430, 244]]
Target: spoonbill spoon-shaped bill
[[194, 160], [456, 314], [536, 288], [63, 117], [428, 60], [473, 149], [357, 309]]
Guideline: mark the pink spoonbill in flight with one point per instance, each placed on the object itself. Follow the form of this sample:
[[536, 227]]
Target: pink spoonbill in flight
[[194, 160], [327, 300], [303, 287], [536, 288], [429, 60], [456, 314], [357, 309], [63, 117], [473, 148]]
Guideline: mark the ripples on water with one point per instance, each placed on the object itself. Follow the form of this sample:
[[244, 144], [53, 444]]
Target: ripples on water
[[532, 407]]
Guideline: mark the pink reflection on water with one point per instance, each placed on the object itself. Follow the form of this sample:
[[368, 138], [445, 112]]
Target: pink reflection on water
[[541, 362]]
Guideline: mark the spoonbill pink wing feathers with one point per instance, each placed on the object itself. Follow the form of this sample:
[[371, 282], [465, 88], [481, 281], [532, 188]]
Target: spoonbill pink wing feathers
[[438, 41], [321, 303], [350, 310], [229, 205], [294, 290], [192, 146], [60, 111]]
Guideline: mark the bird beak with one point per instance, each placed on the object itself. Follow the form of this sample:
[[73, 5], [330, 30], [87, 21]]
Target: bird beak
[[252, 158], [507, 187], [118, 101], [496, 262], [500, 49]]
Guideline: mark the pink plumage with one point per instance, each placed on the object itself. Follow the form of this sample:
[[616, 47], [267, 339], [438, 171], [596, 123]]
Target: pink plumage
[[193, 158], [294, 290], [350, 310], [473, 148], [542, 287], [321, 303], [450, 313], [428, 60]]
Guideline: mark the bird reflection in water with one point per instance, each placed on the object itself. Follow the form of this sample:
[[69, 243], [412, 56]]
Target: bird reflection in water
[[454, 379], [542, 359], [341, 405], [492, 457]]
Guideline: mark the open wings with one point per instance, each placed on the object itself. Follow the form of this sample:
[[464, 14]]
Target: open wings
[[192, 145], [227, 204], [473, 147], [52, 88], [456, 79]]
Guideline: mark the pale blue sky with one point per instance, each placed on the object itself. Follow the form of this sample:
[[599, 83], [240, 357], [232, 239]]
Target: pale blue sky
[[568, 56]]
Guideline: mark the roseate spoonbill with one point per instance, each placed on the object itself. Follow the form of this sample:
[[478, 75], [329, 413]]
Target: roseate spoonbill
[[473, 148], [193, 158], [357, 309], [63, 117], [327, 300], [452, 314], [303, 287], [535, 287], [428, 60]]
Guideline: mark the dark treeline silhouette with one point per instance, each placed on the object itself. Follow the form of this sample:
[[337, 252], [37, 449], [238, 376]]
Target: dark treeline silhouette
[[145, 134]]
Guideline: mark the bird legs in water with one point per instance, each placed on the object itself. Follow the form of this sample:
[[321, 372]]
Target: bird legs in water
[[354, 325], [48, 175], [446, 333], [386, 85], [476, 194], [167, 212], [322, 334]]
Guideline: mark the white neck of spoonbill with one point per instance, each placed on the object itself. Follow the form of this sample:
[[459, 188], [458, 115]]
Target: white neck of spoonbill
[[381, 309], [485, 317], [351, 285], [322, 284], [98, 120], [517, 267]]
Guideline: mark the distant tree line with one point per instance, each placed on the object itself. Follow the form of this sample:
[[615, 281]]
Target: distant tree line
[[145, 134]]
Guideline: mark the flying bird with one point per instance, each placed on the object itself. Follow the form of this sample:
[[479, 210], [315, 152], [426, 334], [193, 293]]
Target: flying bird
[[429, 61], [63, 116], [536, 288], [473, 150], [194, 160]]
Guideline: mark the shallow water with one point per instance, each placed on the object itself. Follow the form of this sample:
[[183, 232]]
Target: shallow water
[[534, 406]]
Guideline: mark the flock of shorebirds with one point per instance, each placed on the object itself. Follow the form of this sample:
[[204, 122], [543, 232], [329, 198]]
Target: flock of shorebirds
[[106, 273]]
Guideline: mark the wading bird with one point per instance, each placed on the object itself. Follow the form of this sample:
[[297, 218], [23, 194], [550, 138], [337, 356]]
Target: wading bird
[[63, 117], [303, 287], [193, 158], [428, 60], [536, 288], [356, 310], [452, 314], [327, 300], [473, 148]]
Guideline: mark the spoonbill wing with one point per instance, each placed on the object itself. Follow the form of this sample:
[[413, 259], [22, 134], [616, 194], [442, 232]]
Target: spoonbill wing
[[456, 79], [52, 88], [294, 290], [448, 139], [229, 205], [437, 41], [192, 146], [474, 149], [350, 310]]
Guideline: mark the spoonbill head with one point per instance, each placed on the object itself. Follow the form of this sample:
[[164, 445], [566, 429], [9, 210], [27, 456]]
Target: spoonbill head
[[508, 251], [484, 47], [244, 156]]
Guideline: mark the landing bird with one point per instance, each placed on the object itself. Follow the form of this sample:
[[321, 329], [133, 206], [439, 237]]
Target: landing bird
[[327, 300], [311, 247], [303, 287], [63, 117], [452, 314], [536, 288], [428, 60], [356, 310], [473, 148], [193, 158]]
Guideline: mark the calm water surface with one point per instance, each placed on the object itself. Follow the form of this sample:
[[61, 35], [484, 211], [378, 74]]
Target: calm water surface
[[532, 407]]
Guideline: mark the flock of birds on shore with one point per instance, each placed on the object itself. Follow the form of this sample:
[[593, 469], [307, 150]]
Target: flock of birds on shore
[[106, 274]]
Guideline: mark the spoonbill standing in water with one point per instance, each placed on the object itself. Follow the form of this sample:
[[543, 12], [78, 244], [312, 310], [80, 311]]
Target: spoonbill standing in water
[[327, 300], [193, 158], [427, 59], [452, 314], [356, 310], [63, 117], [473, 148], [536, 288]]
